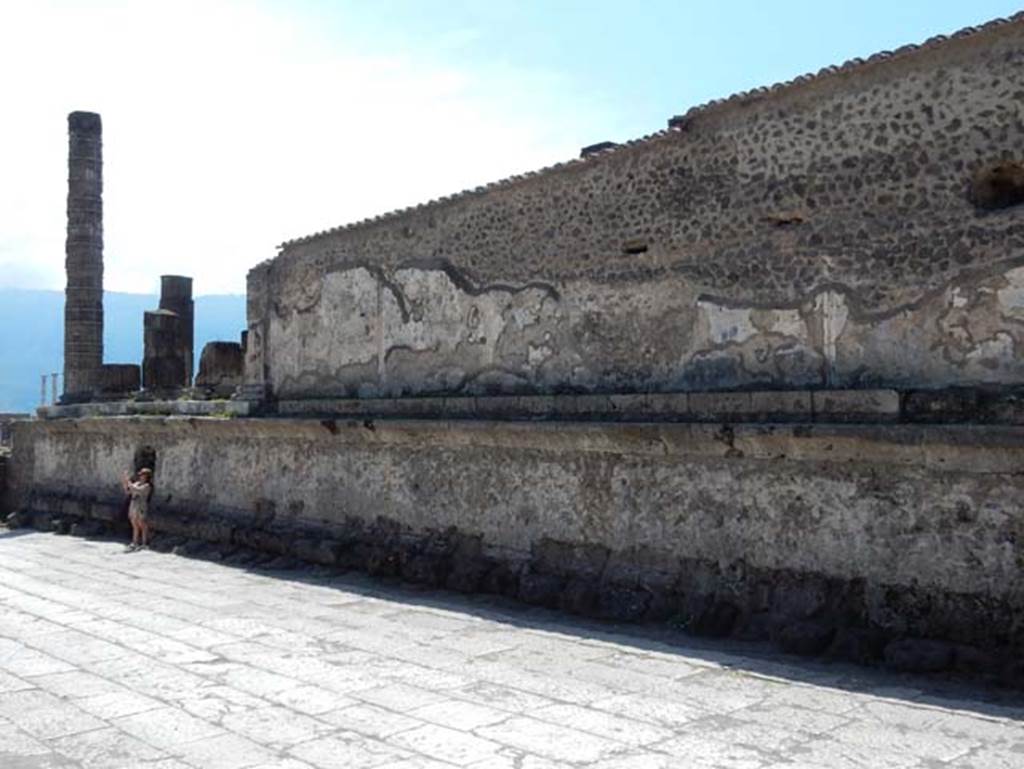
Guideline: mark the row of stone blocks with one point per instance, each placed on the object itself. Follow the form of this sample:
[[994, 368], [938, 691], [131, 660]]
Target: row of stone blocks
[[1003, 406], [800, 613]]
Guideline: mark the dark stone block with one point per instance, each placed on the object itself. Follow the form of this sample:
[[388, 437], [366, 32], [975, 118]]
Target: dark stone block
[[426, 569], [42, 522], [541, 589], [119, 378], [918, 655], [1012, 673], [18, 520], [163, 365], [319, 551], [622, 604], [756, 626], [274, 541], [174, 525], [569, 560], [503, 579], [199, 549], [953, 404], [88, 529], [383, 562], [241, 557], [281, 563], [61, 525], [468, 574], [974, 661], [706, 616], [662, 604], [580, 596], [213, 530], [801, 598], [805, 637], [166, 544], [861, 645], [220, 367], [354, 556]]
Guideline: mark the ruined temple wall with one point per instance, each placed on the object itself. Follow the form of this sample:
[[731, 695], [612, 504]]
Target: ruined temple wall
[[916, 528], [820, 235]]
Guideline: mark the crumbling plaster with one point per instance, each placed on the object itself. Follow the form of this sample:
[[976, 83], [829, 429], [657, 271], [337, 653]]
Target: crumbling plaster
[[924, 518], [819, 236]]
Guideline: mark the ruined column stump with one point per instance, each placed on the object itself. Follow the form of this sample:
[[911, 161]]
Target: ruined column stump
[[163, 364], [176, 296], [220, 368]]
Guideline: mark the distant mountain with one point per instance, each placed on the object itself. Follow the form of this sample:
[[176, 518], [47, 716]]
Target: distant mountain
[[32, 335]]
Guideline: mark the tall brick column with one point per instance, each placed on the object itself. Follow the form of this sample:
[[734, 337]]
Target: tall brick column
[[83, 299]]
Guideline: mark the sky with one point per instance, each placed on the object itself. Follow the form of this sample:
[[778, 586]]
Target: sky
[[230, 127]]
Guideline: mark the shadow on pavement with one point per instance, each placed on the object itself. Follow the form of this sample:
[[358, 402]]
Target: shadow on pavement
[[758, 659]]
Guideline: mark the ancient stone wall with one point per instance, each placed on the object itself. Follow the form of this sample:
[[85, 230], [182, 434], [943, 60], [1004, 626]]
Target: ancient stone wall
[[749, 529], [4, 458], [860, 228]]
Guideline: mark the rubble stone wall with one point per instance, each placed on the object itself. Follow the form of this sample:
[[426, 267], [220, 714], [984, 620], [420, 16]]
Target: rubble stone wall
[[859, 229], [4, 457], [898, 530]]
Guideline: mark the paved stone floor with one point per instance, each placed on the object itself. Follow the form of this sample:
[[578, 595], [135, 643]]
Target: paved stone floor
[[110, 659]]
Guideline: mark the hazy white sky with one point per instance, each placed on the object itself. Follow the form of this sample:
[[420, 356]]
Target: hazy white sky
[[231, 126]]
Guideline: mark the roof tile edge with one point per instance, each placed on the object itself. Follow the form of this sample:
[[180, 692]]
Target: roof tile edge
[[675, 124]]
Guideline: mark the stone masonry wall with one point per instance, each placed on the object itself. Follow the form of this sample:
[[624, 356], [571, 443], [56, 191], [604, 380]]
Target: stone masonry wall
[[831, 233], [4, 457], [797, 532]]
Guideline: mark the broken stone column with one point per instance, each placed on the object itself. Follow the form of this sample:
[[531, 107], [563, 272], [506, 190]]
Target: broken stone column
[[220, 368], [83, 303], [163, 363], [176, 296]]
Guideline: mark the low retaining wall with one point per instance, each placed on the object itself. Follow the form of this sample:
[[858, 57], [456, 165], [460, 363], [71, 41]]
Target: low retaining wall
[[854, 538]]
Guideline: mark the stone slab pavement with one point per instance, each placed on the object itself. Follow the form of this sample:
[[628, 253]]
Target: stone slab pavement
[[114, 659]]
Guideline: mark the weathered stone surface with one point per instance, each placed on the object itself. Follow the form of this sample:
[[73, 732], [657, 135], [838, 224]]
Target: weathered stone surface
[[503, 579], [580, 596], [568, 558], [383, 562], [18, 519], [119, 379], [864, 646], [710, 617], [163, 365], [903, 528], [323, 552], [220, 368], [823, 235], [468, 574], [805, 637], [756, 626], [856, 405], [4, 505], [426, 568], [176, 297], [800, 597], [239, 668], [83, 306], [541, 589], [622, 604], [916, 655]]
